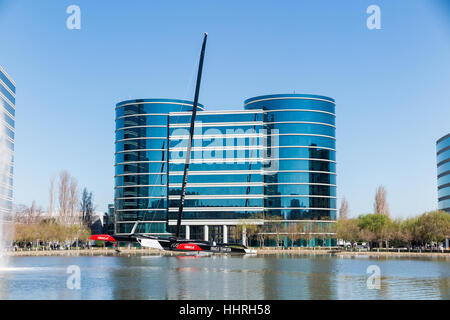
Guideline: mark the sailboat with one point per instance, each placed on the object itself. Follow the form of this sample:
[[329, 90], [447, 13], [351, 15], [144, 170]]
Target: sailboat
[[175, 243]]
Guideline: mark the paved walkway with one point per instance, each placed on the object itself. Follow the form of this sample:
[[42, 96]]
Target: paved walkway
[[266, 251]]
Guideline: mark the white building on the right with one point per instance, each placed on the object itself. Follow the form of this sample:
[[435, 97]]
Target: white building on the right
[[443, 172], [443, 175]]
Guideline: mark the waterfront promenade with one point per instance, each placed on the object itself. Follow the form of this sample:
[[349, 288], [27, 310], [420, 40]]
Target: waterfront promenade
[[263, 251]]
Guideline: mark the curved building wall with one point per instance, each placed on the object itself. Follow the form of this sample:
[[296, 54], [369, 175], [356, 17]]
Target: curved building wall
[[300, 163], [443, 172], [7, 121], [141, 162]]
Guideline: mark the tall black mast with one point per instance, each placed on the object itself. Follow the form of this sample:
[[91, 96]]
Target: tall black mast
[[191, 134]]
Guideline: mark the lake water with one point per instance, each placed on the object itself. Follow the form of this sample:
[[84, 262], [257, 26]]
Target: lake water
[[223, 277]]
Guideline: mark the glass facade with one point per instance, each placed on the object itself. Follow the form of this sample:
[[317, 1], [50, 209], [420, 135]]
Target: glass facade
[[275, 159], [303, 184], [7, 109], [443, 172], [141, 163]]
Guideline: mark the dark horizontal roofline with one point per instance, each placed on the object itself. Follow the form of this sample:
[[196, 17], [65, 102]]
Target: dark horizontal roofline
[[443, 174], [444, 198], [443, 138], [443, 162], [288, 95], [7, 75], [444, 186], [443, 150], [162, 100]]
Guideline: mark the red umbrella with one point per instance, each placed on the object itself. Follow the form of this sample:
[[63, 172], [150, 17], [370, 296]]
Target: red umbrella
[[102, 237]]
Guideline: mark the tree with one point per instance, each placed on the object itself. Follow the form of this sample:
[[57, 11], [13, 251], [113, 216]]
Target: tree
[[87, 207], [246, 228], [63, 197], [293, 231], [84, 234], [68, 198], [315, 232], [73, 201], [408, 231], [381, 206], [308, 232], [274, 227], [433, 227], [403, 232], [234, 234], [343, 211], [388, 232], [28, 215], [24, 233], [368, 236], [348, 230], [377, 224], [51, 196]]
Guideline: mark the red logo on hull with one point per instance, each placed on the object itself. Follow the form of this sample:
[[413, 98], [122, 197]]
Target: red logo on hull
[[188, 247], [102, 237]]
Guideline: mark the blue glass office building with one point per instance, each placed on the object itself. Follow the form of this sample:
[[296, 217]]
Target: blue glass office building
[[273, 161], [7, 109], [443, 172]]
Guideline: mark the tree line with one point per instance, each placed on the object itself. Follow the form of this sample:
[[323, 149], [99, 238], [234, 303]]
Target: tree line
[[276, 232], [428, 229], [378, 229], [68, 217]]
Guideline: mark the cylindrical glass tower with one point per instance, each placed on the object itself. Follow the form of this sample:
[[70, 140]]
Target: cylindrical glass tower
[[7, 132], [141, 163], [300, 162], [443, 172]]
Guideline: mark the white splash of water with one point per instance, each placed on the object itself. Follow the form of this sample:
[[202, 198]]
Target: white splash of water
[[31, 269]]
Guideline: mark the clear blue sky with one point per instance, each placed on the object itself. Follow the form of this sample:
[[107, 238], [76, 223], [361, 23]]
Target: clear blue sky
[[392, 86]]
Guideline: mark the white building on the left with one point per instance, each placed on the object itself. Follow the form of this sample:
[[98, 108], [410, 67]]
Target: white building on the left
[[7, 120]]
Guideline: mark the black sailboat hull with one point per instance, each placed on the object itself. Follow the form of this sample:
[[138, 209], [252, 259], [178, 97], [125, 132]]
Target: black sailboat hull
[[184, 245], [174, 244]]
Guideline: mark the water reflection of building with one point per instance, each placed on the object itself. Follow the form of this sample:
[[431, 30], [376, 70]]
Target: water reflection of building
[[145, 278], [321, 277], [232, 179], [292, 277]]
